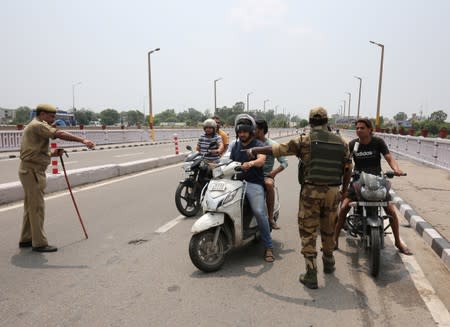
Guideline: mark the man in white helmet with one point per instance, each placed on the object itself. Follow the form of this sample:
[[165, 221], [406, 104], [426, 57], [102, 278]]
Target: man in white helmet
[[212, 154]]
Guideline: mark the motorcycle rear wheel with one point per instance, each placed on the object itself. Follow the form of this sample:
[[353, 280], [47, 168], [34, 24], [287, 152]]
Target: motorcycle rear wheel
[[204, 255], [375, 251], [187, 202]]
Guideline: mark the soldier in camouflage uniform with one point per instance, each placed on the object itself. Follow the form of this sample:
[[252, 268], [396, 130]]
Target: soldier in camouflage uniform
[[324, 164]]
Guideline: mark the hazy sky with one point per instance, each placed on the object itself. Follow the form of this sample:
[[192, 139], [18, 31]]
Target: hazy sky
[[298, 54]]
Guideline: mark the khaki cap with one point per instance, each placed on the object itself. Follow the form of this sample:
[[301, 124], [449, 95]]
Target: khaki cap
[[46, 107], [318, 112]]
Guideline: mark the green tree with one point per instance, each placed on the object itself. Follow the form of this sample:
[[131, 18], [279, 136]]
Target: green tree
[[400, 116], [438, 116], [166, 116], [303, 123], [133, 117], [84, 116], [109, 116], [22, 115], [191, 117]]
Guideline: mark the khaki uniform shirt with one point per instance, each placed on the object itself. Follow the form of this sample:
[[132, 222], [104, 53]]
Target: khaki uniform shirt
[[34, 149]]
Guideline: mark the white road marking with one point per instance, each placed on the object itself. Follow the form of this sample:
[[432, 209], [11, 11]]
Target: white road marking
[[164, 228], [129, 154], [96, 185], [437, 309]]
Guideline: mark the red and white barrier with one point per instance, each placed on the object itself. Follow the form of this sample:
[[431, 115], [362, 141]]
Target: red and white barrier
[[175, 140], [55, 171]]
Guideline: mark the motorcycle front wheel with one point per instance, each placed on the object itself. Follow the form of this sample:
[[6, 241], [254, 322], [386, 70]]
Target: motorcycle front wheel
[[375, 251], [186, 200], [204, 255]]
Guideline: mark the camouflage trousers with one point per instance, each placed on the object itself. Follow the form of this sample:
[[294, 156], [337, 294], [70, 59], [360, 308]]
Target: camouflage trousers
[[318, 210]]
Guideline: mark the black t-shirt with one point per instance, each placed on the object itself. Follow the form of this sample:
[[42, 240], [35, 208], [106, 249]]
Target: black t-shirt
[[368, 157], [254, 174]]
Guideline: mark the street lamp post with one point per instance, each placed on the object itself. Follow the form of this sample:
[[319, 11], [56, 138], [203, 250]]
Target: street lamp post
[[215, 96], [377, 120], [73, 94], [265, 104], [349, 103], [150, 108], [359, 95], [248, 103], [343, 112]]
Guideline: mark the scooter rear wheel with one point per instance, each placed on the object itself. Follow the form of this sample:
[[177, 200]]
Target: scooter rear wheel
[[204, 255], [187, 202]]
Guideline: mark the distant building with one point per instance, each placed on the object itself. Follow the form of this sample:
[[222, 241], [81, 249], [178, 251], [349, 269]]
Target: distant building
[[7, 116]]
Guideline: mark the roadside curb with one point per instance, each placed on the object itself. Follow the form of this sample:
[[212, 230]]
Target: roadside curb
[[431, 236], [13, 191], [106, 147]]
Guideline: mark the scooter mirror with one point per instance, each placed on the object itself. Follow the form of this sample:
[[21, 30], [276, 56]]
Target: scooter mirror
[[188, 147]]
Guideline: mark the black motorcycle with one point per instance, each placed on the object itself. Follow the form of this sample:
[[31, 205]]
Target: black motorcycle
[[196, 175], [366, 219]]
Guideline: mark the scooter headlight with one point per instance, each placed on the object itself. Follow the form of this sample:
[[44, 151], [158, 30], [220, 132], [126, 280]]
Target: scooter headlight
[[217, 172]]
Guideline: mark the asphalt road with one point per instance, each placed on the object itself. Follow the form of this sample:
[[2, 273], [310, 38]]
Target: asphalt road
[[128, 274]]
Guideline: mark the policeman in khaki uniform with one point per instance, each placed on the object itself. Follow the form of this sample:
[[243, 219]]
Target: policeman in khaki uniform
[[35, 157], [324, 166]]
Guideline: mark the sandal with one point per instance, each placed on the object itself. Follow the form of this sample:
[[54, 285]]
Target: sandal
[[273, 224], [404, 250], [268, 256]]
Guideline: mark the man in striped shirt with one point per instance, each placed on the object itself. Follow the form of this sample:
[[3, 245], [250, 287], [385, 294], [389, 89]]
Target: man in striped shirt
[[213, 153]]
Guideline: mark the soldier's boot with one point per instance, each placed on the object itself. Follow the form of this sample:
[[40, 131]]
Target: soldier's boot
[[328, 264], [309, 279]]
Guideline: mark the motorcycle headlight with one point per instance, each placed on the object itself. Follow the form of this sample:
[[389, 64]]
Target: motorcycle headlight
[[187, 166], [373, 195]]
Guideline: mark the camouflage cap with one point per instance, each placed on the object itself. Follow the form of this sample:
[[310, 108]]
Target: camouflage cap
[[318, 112], [46, 107]]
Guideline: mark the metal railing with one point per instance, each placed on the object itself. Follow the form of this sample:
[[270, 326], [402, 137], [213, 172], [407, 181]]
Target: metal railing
[[10, 140], [433, 151]]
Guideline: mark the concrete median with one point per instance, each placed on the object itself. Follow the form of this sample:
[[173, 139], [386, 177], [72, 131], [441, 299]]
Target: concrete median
[[12, 192]]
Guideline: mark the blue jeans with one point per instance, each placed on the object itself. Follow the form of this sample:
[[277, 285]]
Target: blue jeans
[[256, 198]]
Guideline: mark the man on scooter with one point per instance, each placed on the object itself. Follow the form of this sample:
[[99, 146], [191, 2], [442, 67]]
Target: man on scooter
[[368, 159], [210, 135], [253, 174]]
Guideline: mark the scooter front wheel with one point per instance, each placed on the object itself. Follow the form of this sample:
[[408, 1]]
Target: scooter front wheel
[[204, 254], [186, 200]]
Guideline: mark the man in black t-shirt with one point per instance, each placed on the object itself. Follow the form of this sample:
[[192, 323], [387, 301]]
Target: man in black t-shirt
[[253, 174], [368, 159]]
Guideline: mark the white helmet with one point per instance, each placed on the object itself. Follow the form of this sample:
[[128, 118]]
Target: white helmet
[[210, 123]]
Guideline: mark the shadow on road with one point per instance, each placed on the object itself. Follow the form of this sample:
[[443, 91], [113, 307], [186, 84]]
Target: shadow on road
[[33, 260], [247, 261]]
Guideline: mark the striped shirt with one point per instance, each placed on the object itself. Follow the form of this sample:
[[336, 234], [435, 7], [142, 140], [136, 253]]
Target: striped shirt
[[204, 142]]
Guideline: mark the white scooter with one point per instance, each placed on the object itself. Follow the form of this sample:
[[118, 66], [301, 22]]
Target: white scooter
[[227, 221]]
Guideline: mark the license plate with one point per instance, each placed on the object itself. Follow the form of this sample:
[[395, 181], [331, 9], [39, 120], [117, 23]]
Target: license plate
[[218, 187]]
